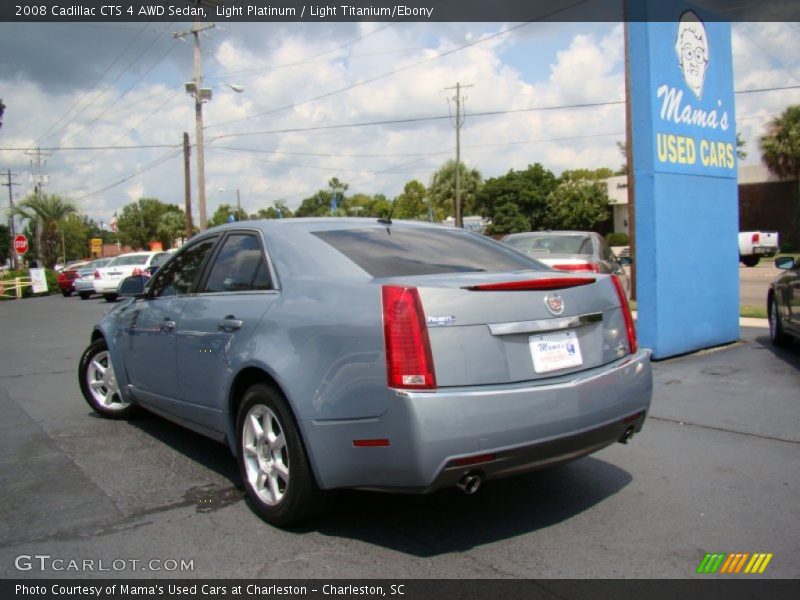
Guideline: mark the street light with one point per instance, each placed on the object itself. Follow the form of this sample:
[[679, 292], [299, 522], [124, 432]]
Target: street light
[[238, 201]]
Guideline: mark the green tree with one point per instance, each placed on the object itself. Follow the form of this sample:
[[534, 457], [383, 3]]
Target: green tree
[[527, 189], [138, 223], [318, 205], [442, 190], [171, 226], [76, 230], [780, 150], [740, 144], [278, 210], [508, 219], [50, 210], [412, 203], [577, 204], [223, 215]]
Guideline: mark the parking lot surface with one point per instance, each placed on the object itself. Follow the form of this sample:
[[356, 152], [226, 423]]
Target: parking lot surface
[[716, 469]]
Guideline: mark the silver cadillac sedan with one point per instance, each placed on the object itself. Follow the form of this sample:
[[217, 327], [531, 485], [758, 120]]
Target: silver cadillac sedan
[[361, 353]]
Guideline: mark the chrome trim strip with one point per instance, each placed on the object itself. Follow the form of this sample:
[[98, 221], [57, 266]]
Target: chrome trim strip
[[544, 324]]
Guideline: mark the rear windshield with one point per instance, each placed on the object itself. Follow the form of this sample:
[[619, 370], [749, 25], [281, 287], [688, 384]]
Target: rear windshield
[[552, 244], [393, 252], [133, 259]]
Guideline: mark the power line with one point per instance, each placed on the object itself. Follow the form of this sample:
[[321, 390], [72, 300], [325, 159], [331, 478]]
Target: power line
[[401, 69], [164, 158], [97, 81]]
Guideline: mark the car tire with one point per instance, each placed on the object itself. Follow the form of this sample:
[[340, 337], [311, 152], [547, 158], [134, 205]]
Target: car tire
[[99, 384], [66, 293], [273, 460], [110, 297], [84, 295], [750, 261], [777, 335]]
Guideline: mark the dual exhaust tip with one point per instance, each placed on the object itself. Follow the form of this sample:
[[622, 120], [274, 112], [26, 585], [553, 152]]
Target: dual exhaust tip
[[471, 482]]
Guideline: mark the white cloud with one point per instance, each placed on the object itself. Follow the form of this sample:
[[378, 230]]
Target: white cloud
[[296, 68]]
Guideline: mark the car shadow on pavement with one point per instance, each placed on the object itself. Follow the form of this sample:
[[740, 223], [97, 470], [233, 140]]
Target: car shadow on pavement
[[450, 521], [419, 525], [789, 355], [211, 455]]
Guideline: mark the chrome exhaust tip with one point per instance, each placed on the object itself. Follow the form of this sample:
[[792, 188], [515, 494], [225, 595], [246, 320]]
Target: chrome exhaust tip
[[626, 436], [469, 483]]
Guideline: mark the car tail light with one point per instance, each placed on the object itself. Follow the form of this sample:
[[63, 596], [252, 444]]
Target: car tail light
[[756, 237], [550, 283], [626, 313], [578, 267], [97, 274], [409, 363]]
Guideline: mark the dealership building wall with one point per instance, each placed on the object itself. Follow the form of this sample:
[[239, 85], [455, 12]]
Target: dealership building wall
[[766, 203]]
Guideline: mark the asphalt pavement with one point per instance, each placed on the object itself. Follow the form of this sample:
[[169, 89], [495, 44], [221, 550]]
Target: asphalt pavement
[[716, 469]]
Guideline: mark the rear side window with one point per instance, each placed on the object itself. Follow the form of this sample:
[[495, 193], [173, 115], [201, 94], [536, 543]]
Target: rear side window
[[239, 266], [391, 252]]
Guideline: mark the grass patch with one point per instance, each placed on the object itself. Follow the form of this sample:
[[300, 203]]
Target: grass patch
[[749, 311], [753, 312]]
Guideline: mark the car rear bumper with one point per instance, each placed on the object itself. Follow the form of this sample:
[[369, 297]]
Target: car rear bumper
[[105, 286], [435, 438], [84, 286]]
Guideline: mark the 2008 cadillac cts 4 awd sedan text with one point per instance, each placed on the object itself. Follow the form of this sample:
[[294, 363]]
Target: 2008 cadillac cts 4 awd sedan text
[[356, 353]]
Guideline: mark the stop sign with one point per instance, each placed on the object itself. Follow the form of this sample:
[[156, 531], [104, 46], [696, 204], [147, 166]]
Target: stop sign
[[21, 244]]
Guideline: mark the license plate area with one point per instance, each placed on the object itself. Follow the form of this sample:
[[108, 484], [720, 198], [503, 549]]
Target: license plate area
[[555, 351]]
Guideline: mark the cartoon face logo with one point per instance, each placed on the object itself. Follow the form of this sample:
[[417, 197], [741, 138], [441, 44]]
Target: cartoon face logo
[[691, 46]]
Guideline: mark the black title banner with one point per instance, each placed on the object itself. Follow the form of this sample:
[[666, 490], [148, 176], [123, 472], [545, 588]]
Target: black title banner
[[368, 589], [375, 10]]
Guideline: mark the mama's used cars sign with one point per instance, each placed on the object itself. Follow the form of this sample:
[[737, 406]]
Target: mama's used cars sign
[[692, 97], [683, 138]]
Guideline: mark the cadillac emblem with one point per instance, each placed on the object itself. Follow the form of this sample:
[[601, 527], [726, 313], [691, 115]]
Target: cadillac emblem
[[555, 304]]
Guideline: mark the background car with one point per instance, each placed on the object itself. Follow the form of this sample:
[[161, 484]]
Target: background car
[[106, 279], [84, 281], [66, 277], [783, 302], [569, 251], [362, 353]]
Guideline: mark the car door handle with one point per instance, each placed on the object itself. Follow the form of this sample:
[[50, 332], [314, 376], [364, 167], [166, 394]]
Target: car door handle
[[167, 324], [230, 324]]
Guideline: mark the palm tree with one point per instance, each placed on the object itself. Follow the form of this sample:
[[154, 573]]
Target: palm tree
[[50, 210], [780, 149]]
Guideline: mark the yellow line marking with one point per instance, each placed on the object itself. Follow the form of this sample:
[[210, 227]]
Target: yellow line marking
[[765, 563]]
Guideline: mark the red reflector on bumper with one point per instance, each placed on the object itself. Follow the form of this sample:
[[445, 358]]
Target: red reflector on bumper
[[550, 283], [473, 460], [632, 418], [370, 443]]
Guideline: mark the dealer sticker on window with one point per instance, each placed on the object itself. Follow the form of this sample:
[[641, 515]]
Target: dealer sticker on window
[[555, 351]]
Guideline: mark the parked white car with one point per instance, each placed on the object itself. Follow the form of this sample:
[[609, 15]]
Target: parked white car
[[108, 278], [755, 245]]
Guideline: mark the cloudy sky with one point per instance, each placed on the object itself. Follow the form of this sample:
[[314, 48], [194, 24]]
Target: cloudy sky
[[78, 85]]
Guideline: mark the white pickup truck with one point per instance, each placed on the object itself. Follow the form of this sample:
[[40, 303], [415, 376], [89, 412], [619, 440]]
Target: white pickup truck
[[755, 244]]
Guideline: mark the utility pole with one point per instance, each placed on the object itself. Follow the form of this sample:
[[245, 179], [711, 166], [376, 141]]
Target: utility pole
[[459, 123], [187, 184], [11, 229], [200, 94], [40, 181], [238, 206]]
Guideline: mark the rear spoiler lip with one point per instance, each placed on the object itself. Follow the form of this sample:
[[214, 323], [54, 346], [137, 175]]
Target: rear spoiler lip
[[528, 285]]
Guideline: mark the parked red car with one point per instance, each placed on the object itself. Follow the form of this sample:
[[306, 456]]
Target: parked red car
[[66, 278]]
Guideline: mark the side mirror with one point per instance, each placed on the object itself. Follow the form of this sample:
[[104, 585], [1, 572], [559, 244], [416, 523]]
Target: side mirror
[[785, 262], [132, 286]]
